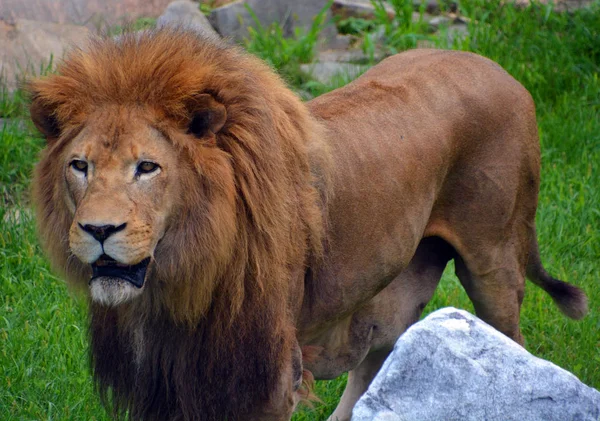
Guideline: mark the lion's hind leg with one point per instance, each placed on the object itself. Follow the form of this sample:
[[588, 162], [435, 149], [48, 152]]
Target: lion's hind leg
[[496, 292], [494, 279]]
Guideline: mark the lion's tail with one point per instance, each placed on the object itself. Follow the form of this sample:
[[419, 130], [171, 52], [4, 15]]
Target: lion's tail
[[570, 299]]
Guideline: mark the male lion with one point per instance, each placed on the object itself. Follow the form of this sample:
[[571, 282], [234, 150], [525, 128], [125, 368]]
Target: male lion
[[234, 240]]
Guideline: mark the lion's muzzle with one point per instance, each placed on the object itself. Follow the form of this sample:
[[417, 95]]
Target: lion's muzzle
[[118, 254]]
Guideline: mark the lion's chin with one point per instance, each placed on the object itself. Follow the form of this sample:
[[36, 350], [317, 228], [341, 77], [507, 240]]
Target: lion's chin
[[113, 291], [113, 283]]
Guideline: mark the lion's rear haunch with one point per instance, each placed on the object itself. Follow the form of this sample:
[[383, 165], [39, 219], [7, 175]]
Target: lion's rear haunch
[[210, 331]]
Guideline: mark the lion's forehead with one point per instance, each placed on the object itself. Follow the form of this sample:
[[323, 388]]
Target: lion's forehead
[[109, 143]]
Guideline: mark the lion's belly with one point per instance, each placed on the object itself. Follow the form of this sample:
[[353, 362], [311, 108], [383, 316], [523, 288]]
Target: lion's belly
[[341, 346]]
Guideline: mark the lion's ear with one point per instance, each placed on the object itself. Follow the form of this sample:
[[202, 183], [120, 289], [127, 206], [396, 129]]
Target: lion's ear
[[44, 119], [207, 116]]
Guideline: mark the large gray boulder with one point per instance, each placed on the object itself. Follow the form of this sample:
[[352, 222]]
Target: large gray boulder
[[233, 19], [95, 14], [186, 14], [26, 47], [452, 366]]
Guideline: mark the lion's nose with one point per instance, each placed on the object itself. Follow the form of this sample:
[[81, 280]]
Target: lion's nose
[[102, 232]]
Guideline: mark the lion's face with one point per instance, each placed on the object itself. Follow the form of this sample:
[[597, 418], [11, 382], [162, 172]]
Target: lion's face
[[140, 194], [120, 176]]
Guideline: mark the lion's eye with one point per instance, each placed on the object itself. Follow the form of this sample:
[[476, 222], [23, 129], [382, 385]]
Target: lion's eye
[[79, 165], [147, 167]]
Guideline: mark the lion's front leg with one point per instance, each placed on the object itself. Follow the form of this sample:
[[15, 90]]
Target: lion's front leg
[[287, 394], [359, 380], [389, 314]]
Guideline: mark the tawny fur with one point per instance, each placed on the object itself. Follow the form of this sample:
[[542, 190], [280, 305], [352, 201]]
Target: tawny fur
[[300, 238]]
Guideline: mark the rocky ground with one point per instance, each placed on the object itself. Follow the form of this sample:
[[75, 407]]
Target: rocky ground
[[34, 33]]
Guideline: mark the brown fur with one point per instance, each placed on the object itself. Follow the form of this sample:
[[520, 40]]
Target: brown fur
[[297, 238], [229, 280]]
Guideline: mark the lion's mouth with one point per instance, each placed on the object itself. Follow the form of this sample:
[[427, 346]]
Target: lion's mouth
[[107, 267]]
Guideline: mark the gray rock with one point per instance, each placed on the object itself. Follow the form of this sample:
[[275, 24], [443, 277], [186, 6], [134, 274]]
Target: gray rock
[[456, 32], [303, 12], [344, 9], [450, 20], [452, 366], [338, 43], [324, 72], [27, 46], [232, 20], [357, 9], [434, 7], [349, 55], [439, 20], [187, 14], [95, 14], [559, 5]]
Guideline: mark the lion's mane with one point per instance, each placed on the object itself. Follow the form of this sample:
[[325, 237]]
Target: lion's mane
[[214, 325]]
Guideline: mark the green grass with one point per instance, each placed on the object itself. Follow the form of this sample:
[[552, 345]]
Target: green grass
[[285, 55], [139, 24], [44, 372]]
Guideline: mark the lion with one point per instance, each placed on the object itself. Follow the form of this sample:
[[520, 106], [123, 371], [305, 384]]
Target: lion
[[235, 242]]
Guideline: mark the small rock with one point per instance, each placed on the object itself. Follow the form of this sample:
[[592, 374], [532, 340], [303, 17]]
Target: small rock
[[187, 14], [439, 20], [434, 7], [450, 19], [425, 43], [559, 5], [27, 46], [216, 3], [233, 20], [303, 13], [324, 72], [456, 32], [339, 43], [452, 366], [342, 56], [344, 9]]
